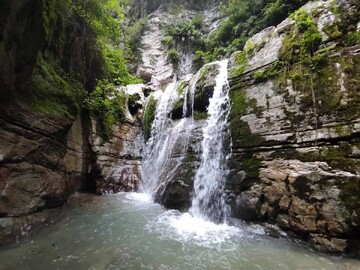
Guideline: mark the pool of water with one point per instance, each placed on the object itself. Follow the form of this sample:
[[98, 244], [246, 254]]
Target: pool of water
[[128, 231]]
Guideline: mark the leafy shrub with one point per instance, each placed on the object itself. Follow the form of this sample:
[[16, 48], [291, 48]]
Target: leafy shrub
[[106, 104], [244, 18], [173, 56], [351, 39], [168, 41]]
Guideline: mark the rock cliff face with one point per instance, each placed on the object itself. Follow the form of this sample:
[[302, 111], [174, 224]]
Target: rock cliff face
[[118, 162], [43, 161], [295, 129], [158, 66]]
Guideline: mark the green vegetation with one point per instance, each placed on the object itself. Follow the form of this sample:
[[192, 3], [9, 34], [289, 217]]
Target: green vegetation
[[302, 43], [68, 58], [270, 71], [182, 87], [239, 103], [168, 41], [55, 95], [190, 157], [338, 157], [332, 31], [313, 73], [173, 57], [189, 31], [240, 64], [251, 166], [186, 30], [132, 39], [240, 130], [351, 39], [200, 115], [149, 117], [244, 18], [107, 106]]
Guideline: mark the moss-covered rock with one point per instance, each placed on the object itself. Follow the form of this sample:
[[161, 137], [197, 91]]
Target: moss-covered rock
[[204, 87], [52, 94], [237, 64], [177, 111], [294, 124], [149, 116]]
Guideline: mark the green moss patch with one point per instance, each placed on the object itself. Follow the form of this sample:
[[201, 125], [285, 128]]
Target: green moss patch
[[200, 115], [239, 64], [251, 166], [338, 157], [269, 72], [149, 117], [53, 95]]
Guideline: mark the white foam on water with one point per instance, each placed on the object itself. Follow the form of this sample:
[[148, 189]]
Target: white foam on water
[[138, 198], [188, 229]]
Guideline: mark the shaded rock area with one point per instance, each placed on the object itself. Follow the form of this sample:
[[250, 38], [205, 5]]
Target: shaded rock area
[[43, 161], [34, 150], [202, 85], [295, 134]]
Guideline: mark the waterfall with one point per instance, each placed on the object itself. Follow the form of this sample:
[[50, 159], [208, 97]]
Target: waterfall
[[158, 145], [208, 202], [189, 97], [169, 145]]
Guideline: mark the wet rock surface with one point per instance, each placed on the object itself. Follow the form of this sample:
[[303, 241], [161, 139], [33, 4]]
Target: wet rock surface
[[295, 160], [44, 160]]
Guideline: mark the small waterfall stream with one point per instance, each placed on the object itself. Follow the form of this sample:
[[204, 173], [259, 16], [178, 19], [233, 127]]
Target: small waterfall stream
[[208, 202], [159, 144]]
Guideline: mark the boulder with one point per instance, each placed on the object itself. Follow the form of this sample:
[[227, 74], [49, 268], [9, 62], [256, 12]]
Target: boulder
[[176, 195]]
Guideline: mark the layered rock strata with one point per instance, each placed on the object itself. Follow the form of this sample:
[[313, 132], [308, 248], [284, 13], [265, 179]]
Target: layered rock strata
[[295, 131]]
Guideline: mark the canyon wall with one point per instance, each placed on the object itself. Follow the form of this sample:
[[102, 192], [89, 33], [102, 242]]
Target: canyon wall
[[295, 128]]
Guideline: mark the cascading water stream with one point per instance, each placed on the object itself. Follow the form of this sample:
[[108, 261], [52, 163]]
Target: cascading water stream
[[158, 145], [168, 143], [163, 156], [208, 202]]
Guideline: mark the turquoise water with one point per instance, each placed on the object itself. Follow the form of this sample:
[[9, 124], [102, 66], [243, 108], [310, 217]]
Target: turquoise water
[[128, 231]]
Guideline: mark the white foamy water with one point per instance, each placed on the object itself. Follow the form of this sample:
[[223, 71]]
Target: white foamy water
[[139, 197], [185, 228]]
